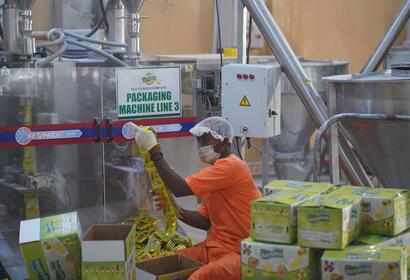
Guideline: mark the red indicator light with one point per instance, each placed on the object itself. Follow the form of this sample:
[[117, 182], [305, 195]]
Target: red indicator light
[[245, 76], [251, 76], [239, 76]]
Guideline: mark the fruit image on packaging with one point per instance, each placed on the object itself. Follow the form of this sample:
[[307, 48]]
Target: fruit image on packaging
[[365, 263], [274, 217], [329, 221]]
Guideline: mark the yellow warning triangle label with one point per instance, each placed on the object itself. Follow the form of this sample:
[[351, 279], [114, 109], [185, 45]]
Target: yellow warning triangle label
[[245, 102]]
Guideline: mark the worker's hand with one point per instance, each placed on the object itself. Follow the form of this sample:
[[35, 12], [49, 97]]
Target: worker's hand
[[144, 137]]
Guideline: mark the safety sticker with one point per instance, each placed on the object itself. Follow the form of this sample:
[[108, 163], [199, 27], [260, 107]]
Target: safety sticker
[[245, 102]]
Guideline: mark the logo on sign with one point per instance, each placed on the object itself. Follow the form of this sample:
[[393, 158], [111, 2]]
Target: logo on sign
[[128, 131], [23, 136], [150, 79]]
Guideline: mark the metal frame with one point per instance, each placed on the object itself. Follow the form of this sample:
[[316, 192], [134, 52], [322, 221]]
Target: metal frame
[[303, 86], [337, 118]]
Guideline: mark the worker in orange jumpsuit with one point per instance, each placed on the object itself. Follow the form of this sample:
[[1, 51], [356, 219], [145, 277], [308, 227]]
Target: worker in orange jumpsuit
[[225, 187]]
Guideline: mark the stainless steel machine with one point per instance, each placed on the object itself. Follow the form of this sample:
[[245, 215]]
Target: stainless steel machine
[[61, 145]]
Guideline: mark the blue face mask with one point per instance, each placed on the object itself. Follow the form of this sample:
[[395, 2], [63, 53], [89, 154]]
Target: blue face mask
[[208, 154]]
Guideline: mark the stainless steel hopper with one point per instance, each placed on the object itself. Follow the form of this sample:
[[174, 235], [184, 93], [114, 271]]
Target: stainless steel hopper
[[291, 148], [384, 146]]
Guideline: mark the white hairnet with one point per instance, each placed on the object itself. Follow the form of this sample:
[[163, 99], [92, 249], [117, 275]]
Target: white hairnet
[[218, 127]]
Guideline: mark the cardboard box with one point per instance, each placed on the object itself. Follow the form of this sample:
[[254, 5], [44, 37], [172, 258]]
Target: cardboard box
[[51, 247], [108, 252], [384, 210], [167, 268], [274, 261], [279, 185], [274, 217], [365, 263], [382, 241], [329, 221]]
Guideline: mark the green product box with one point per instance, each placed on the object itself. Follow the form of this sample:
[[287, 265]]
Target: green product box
[[108, 252], [274, 217], [365, 263], [384, 211], [274, 261], [279, 185], [329, 221], [385, 241], [51, 247]]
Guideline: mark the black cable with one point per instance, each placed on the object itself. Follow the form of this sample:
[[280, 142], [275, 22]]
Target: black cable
[[1, 30], [236, 144], [103, 19], [219, 33], [248, 49], [104, 14]]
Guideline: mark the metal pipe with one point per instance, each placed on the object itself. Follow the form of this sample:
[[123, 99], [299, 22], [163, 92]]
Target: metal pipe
[[302, 84], [11, 27], [242, 20], [389, 38], [116, 21], [336, 118]]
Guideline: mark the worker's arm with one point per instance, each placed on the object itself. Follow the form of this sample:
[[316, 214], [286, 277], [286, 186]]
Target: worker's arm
[[194, 219], [147, 139], [172, 180]]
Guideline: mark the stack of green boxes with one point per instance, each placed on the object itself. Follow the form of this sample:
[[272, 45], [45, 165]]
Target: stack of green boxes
[[272, 252], [299, 224]]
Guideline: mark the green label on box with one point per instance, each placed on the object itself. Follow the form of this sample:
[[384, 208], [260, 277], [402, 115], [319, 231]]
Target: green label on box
[[60, 225]]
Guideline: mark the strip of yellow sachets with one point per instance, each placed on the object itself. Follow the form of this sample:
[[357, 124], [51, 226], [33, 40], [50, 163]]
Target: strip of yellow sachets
[[170, 210]]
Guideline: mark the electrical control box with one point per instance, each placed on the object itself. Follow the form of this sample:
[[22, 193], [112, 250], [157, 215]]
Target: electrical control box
[[251, 99]]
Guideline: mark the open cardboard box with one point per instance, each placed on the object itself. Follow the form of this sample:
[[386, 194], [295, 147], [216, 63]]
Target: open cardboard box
[[175, 267], [108, 252]]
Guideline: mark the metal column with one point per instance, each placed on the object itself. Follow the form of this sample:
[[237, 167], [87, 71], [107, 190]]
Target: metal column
[[333, 138]]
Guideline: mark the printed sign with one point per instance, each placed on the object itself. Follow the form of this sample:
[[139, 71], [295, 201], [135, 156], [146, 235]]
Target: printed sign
[[148, 92]]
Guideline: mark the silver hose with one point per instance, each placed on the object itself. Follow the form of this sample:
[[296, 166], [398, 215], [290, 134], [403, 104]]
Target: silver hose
[[60, 41], [94, 41], [51, 43], [100, 52]]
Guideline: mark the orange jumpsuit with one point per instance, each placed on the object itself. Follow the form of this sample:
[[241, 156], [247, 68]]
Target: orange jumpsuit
[[226, 189]]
